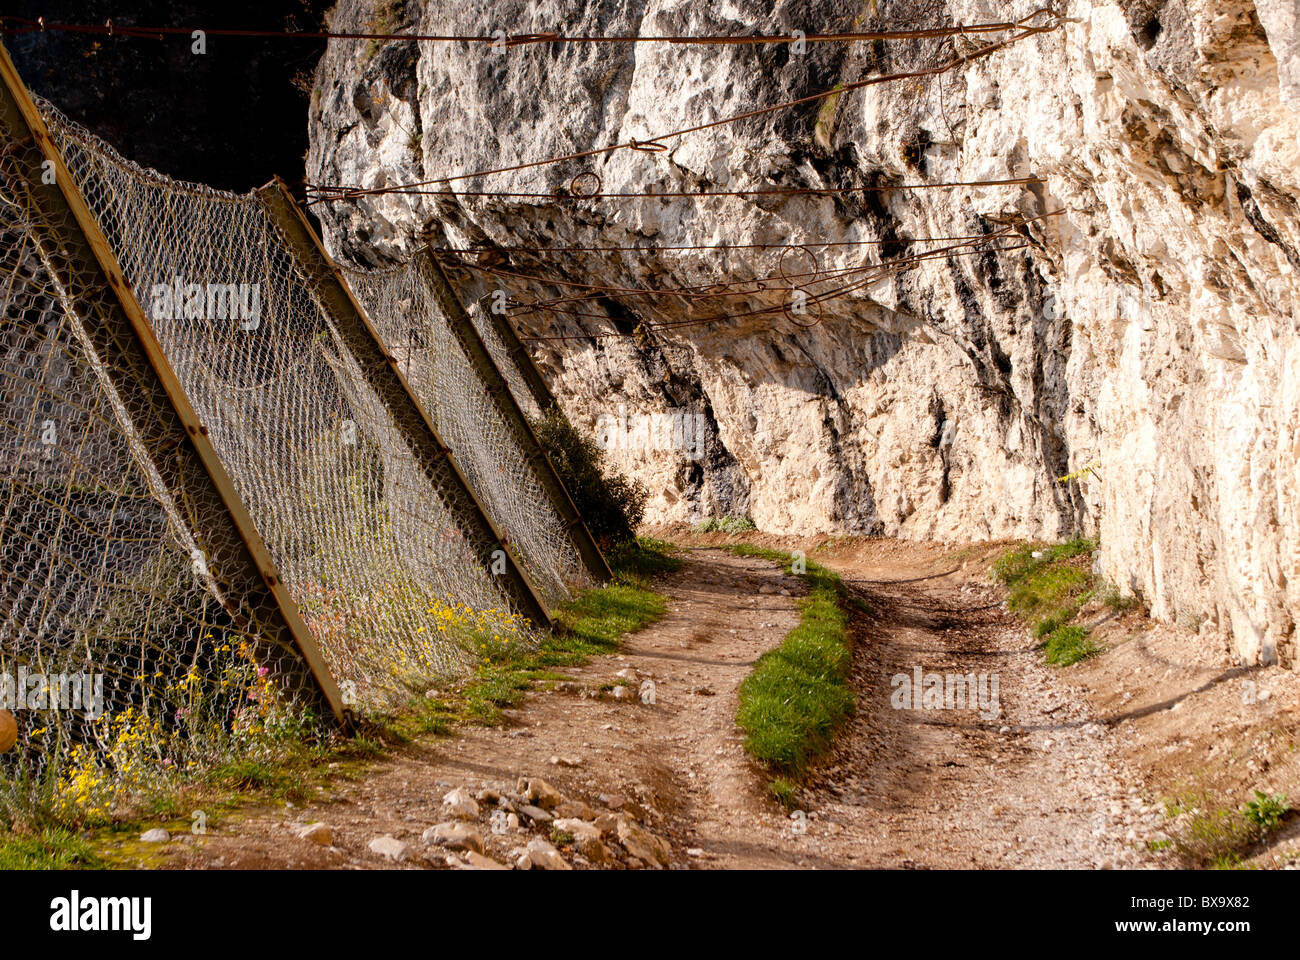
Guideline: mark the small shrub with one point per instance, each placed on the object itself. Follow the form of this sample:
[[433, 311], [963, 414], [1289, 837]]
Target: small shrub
[[1266, 812], [1215, 836], [1118, 602], [1212, 838], [785, 791], [611, 504]]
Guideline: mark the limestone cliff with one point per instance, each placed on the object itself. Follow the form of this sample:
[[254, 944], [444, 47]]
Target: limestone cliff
[[1143, 339]]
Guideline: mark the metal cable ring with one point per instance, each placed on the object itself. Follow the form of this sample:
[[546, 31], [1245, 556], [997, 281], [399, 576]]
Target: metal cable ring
[[789, 277], [587, 176], [647, 146], [794, 318]]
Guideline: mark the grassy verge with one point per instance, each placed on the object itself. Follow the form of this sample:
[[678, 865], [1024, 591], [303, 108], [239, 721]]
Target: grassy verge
[[1048, 585], [589, 626], [798, 694], [294, 770], [53, 848]]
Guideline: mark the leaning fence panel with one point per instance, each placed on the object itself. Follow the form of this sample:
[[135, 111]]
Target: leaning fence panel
[[372, 551], [137, 636], [401, 303]]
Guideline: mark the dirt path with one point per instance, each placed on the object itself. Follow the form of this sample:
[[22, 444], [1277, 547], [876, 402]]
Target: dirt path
[[903, 788], [1034, 785]]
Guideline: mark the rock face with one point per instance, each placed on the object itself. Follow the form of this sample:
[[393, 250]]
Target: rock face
[[1138, 333]]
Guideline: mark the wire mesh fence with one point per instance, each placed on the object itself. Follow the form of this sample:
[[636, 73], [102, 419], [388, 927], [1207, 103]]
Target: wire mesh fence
[[122, 629], [372, 551], [126, 652], [501, 356], [405, 310]]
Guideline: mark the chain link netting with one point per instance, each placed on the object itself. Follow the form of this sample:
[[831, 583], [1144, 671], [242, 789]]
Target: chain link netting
[[126, 654], [372, 551], [404, 308], [500, 351]]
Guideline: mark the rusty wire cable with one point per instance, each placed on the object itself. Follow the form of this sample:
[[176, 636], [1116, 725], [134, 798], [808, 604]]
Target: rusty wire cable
[[111, 29], [331, 192], [764, 192], [714, 289], [443, 252], [783, 308], [875, 273]]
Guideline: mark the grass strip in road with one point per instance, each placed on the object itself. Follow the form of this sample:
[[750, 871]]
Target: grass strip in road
[[799, 694]]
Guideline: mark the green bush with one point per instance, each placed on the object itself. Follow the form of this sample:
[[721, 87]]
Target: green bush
[[726, 524], [1266, 812], [611, 504]]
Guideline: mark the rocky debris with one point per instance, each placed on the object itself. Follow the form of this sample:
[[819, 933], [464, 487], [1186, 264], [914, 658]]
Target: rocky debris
[[489, 796], [543, 855], [318, 833], [558, 761], [575, 808], [454, 835], [577, 828], [156, 835], [594, 850], [388, 847], [641, 844], [535, 814], [542, 794], [458, 803], [477, 861], [621, 693]]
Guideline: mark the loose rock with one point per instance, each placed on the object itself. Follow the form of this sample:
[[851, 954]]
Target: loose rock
[[454, 835], [388, 847], [544, 856]]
